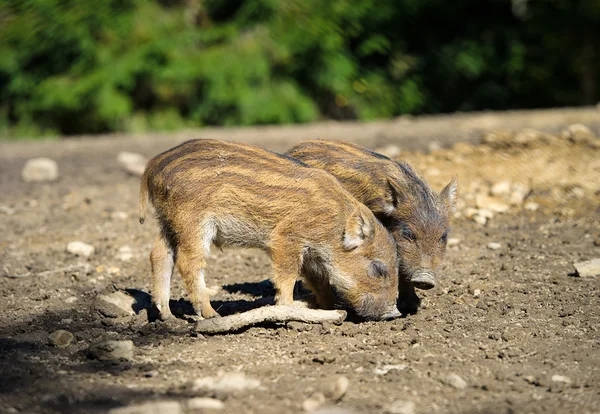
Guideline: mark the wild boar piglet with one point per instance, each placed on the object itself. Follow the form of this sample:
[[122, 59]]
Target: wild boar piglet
[[418, 217], [208, 192]]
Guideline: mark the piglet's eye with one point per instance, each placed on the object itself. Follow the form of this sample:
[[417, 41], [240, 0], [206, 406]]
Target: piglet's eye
[[378, 269], [408, 234], [444, 238]]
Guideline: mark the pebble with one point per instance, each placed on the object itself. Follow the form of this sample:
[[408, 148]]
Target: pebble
[[71, 299], [226, 382], [154, 407], [115, 305], [40, 170], [532, 206], [336, 389], [390, 151], [453, 241], [491, 203], [577, 133], [9, 211], [400, 407], [132, 162], [494, 246], [314, 402], [561, 378], [589, 268], [456, 381], [501, 189], [387, 368], [125, 253], [119, 215], [112, 350], [519, 193], [204, 405], [60, 338], [80, 248]]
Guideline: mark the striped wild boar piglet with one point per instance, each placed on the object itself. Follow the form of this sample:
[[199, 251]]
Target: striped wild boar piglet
[[208, 192], [418, 217]]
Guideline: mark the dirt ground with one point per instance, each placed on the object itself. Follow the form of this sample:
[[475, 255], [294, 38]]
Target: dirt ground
[[514, 322]]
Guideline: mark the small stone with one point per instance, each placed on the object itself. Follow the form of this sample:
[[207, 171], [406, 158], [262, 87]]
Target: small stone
[[476, 292], [226, 382], [494, 246], [530, 379], [501, 189], [578, 134], [390, 151], [528, 136], [481, 220], [491, 203], [112, 350], [387, 368], [151, 374], [204, 405], [9, 211], [561, 378], [518, 194], [400, 407], [119, 215], [578, 192], [456, 381], [532, 206], [115, 305], [40, 170], [71, 299], [80, 248], [132, 162], [125, 253], [155, 407], [314, 402], [453, 241], [335, 389], [434, 146], [589, 268], [60, 338]]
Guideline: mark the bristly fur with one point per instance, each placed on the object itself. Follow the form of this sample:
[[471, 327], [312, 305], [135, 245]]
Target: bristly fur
[[417, 217], [229, 194]]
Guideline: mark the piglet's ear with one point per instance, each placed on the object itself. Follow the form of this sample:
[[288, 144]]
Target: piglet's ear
[[358, 229], [449, 194], [391, 200]]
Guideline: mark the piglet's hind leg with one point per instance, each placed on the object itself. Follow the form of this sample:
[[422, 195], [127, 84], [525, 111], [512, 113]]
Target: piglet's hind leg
[[161, 260]]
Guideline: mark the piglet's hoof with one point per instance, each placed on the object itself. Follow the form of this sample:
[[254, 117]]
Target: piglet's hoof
[[423, 280]]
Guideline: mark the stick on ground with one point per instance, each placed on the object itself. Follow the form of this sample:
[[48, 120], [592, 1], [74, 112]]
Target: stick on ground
[[268, 314]]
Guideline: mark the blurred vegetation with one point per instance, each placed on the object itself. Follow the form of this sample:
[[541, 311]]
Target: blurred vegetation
[[74, 67]]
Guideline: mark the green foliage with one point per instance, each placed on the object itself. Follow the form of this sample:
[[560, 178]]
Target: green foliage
[[70, 67]]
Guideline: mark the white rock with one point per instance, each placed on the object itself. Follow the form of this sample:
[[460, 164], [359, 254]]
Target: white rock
[[115, 304], [491, 203], [314, 402], [387, 368], [80, 248], [204, 404], [112, 350], [501, 189], [518, 194], [39, 170], [119, 215], [71, 299], [477, 292], [532, 206], [561, 378], [337, 388], [400, 407], [155, 407], [9, 211], [390, 151], [589, 268], [132, 162], [60, 338], [125, 253], [453, 241], [456, 381], [226, 382], [494, 246]]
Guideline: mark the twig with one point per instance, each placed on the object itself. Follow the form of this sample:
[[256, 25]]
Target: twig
[[44, 273], [268, 314]]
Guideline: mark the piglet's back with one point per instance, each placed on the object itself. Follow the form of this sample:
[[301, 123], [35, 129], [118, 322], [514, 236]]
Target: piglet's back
[[241, 179]]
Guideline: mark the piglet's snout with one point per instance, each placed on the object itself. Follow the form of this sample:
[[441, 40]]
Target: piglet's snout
[[423, 279]]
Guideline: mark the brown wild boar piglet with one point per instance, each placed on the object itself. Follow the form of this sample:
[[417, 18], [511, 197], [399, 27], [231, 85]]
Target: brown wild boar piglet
[[209, 192], [418, 217]]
